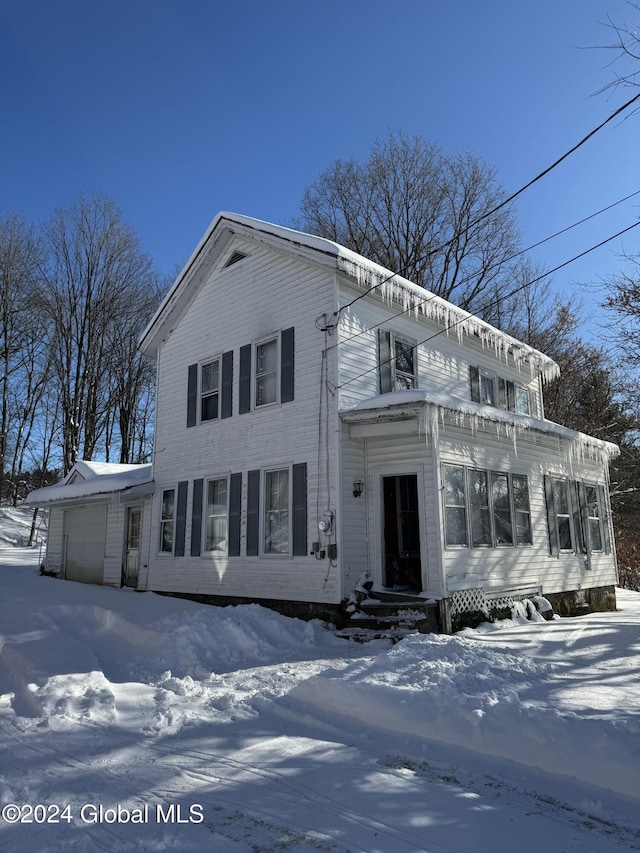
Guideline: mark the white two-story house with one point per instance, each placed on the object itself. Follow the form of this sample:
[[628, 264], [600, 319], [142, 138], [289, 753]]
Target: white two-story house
[[319, 418]]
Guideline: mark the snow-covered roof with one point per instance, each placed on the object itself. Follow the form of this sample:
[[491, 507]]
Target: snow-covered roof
[[95, 478], [429, 407], [364, 273]]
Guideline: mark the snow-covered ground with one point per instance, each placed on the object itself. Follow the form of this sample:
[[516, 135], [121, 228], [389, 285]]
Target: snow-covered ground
[[133, 721]]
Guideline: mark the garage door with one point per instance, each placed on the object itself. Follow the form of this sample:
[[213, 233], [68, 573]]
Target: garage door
[[86, 530]]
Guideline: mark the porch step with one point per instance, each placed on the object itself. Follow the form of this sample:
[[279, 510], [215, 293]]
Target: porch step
[[388, 614]]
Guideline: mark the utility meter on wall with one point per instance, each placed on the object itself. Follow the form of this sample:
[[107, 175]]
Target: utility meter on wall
[[326, 523]]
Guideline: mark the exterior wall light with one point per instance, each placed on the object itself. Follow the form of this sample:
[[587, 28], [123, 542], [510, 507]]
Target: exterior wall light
[[358, 486]]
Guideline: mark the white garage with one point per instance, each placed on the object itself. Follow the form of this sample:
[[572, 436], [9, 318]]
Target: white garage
[[85, 536], [99, 524]]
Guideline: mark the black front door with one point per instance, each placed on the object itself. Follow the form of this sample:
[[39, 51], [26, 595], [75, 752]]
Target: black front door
[[402, 563]]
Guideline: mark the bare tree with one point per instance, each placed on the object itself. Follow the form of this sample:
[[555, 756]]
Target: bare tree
[[95, 274], [426, 215], [625, 50], [22, 335]]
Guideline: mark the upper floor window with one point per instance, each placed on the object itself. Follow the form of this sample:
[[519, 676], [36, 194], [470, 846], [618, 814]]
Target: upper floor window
[[266, 373], [404, 364], [210, 390], [487, 383], [397, 362], [492, 390], [523, 404]]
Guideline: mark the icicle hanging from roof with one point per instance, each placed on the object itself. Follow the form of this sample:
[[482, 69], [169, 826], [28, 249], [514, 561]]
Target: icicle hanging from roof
[[393, 288]]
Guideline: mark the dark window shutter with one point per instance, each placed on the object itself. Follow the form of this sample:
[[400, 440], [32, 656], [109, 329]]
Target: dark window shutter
[[245, 379], [181, 519], [605, 518], [299, 507], [227, 384], [580, 524], [196, 518], [474, 379], [511, 396], [384, 360], [287, 365], [192, 396], [554, 547], [235, 505], [253, 513]]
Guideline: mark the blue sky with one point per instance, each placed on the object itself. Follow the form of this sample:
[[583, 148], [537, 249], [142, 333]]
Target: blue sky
[[177, 109]]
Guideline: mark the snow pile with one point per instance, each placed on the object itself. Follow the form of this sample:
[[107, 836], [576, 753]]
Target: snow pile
[[459, 691], [15, 526]]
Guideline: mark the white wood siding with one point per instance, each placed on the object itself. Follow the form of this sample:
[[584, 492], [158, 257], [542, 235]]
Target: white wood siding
[[392, 456], [522, 565], [55, 540], [354, 530], [258, 297], [443, 358]]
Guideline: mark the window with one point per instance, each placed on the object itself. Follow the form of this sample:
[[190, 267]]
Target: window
[[266, 373], [523, 406], [396, 361], [210, 383], [167, 521], [593, 515], [522, 509], [492, 390], [487, 389], [216, 528], [480, 515], [404, 366], [276, 512], [577, 517], [485, 508], [455, 505], [210, 390], [501, 505], [562, 514]]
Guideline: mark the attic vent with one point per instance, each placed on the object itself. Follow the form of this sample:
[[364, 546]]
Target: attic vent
[[235, 257]]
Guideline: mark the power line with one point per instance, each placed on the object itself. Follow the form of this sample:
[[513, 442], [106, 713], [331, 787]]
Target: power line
[[507, 295], [432, 296], [502, 204]]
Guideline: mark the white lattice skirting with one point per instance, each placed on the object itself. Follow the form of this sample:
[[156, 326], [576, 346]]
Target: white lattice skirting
[[465, 600]]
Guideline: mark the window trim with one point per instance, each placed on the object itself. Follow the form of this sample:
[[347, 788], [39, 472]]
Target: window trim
[[387, 360], [215, 552], [263, 511], [589, 518], [410, 344], [167, 521], [489, 377], [522, 389], [553, 527], [505, 392], [254, 371], [468, 508], [201, 394]]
